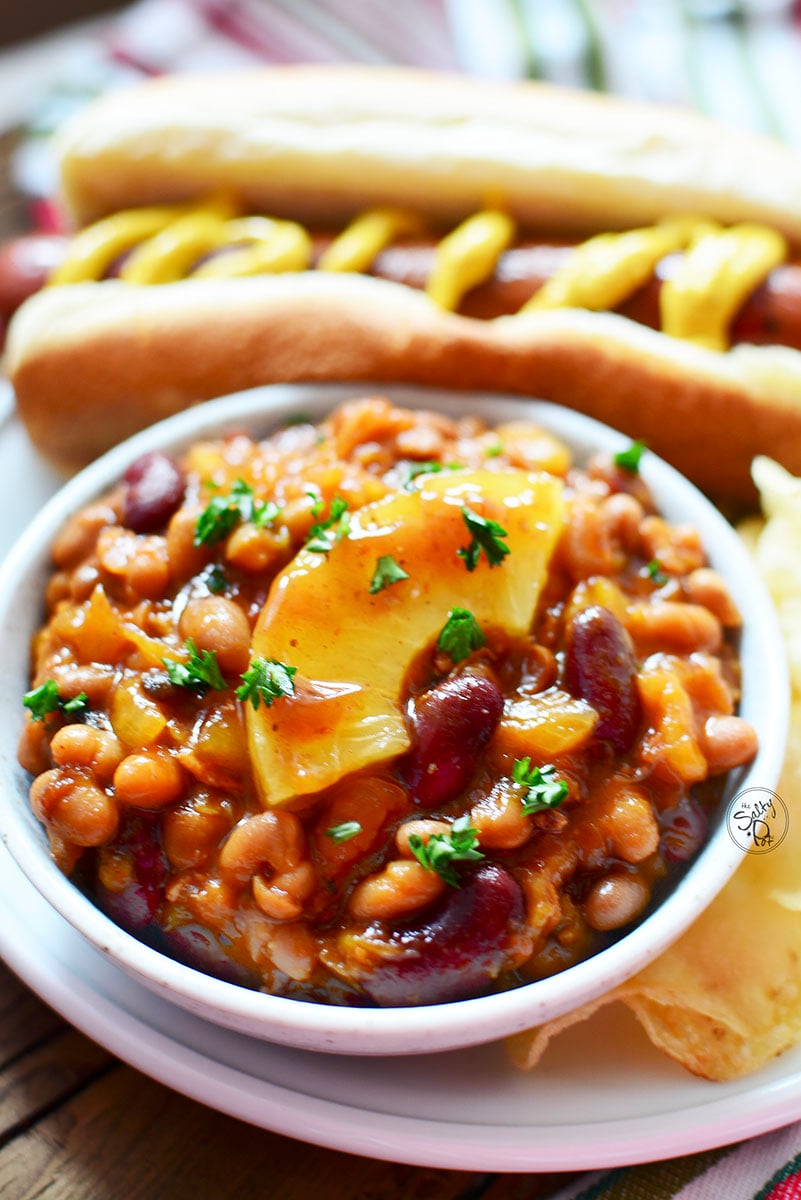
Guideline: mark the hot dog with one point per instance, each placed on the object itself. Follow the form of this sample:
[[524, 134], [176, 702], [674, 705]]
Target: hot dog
[[525, 171], [770, 315]]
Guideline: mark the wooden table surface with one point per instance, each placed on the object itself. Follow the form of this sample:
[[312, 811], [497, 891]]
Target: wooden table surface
[[77, 1124]]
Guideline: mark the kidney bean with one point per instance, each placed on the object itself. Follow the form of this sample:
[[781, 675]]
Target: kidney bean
[[600, 668], [154, 489], [138, 904], [684, 831], [197, 947], [452, 724], [459, 951]]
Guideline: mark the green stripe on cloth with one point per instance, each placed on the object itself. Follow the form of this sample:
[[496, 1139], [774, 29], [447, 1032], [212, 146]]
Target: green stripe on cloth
[[651, 1181], [594, 58]]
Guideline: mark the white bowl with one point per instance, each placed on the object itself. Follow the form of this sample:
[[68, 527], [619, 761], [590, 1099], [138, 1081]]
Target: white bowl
[[402, 1030]]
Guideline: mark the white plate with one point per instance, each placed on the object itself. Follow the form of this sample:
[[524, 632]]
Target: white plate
[[602, 1097]]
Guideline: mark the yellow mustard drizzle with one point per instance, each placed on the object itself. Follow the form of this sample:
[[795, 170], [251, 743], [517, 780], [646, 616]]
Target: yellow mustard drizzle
[[360, 243], [94, 249], [713, 280], [719, 269], [468, 256], [170, 254], [603, 272], [263, 247]]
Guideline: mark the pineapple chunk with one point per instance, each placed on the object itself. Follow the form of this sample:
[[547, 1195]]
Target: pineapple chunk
[[352, 649], [545, 725]]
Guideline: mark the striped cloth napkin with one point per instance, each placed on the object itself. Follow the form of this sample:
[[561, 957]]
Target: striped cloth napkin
[[765, 1168], [736, 61]]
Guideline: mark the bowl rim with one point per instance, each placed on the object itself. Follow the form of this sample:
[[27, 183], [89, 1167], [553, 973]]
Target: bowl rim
[[426, 1028]]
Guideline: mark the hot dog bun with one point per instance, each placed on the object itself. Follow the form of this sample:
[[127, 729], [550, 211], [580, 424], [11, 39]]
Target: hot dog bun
[[92, 363], [317, 143], [153, 350]]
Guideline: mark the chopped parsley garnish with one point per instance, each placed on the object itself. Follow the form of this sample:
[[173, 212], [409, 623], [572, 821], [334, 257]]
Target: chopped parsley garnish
[[442, 850], [200, 672], [224, 513], [344, 832], [266, 680], [629, 459], [215, 579], [656, 573], [460, 635], [485, 535], [387, 572], [544, 788], [323, 534], [44, 700]]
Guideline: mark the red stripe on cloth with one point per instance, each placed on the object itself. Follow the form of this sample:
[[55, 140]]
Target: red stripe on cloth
[[276, 38], [119, 54], [788, 1189]]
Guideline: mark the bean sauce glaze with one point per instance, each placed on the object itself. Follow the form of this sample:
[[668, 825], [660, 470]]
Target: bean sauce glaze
[[391, 710]]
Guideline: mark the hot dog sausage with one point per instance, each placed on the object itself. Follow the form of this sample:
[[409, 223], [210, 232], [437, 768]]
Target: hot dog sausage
[[771, 315]]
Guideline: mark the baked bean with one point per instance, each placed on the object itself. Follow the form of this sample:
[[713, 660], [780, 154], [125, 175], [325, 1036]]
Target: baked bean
[[727, 742], [85, 746], [78, 538], [139, 560], [185, 558], [95, 680], [499, 819], [589, 543], [73, 806], [372, 419], [531, 448], [150, 779], [254, 550], [59, 587], [193, 829], [282, 896], [423, 442], [705, 587], [216, 624], [614, 901], [677, 548], [83, 581], [403, 887], [33, 748], [273, 839], [632, 828], [670, 625], [622, 516], [422, 828]]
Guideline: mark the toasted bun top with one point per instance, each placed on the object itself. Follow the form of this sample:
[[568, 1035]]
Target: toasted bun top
[[319, 143]]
